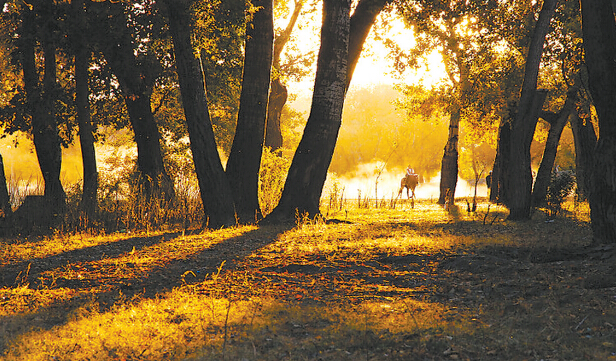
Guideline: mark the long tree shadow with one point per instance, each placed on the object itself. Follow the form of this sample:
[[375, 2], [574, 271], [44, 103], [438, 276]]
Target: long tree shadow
[[28, 271], [158, 280], [450, 276]]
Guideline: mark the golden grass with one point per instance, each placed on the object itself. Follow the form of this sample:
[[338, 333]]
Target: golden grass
[[385, 285]]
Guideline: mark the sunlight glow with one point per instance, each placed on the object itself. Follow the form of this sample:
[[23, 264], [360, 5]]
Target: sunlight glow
[[376, 65]]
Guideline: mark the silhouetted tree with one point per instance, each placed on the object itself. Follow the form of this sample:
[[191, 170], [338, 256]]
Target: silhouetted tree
[[518, 179], [599, 29], [214, 188], [245, 157], [136, 76]]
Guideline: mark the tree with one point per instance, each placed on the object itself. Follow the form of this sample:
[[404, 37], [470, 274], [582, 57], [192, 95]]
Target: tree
[[518, 179], [557, 123], [476, 156], [245, 158], [562, 59], [82, 51], [304, 184], [599, 33], [214, 188], [466, 34], [585, 140], [135, 75], [38, 23], [219, 35], [278, 92], [338, 55], [5, 199]]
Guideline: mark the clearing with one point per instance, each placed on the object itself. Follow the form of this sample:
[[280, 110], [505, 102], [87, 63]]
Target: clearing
[[379, 284]]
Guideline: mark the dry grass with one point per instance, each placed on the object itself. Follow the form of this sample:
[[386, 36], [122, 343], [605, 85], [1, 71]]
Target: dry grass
[[380, 284]]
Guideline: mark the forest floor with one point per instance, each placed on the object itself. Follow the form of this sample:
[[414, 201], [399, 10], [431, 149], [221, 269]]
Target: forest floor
[[418, 283]]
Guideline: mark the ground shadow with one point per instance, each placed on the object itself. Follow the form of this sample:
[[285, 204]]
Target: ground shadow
[[158, 281]]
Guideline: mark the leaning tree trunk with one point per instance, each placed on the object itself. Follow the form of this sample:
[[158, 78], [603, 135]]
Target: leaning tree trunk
[[155, 180], [599, 32], [313, 156], [278, 91], [89, 203], [41, 102], [308, 171], [215, 191], [557, 124], [585, 140], [362, 20], [518, 180], [245, 157]]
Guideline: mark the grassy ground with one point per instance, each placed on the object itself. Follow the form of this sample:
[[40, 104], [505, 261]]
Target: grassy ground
[[378, 284]]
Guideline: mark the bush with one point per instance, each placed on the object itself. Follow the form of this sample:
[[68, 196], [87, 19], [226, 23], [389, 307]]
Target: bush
[[561, 186], [272, 177]]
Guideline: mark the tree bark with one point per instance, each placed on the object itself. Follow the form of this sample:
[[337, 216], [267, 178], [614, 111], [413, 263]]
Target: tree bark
[[362, 20], [245, 157], [89, 203], [519, 177], [498, 192], [542, 181], [449, 164], [308, 171], [585, 140], [277, 100], [278, 91], [215, 190], [5, 199], [41, 103], [599, 33], [118, 51]]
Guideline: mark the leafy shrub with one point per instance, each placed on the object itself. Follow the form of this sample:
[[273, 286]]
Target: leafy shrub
[[272, 177], [561, 186]]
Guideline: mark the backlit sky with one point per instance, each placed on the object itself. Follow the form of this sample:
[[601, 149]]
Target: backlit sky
[[375, 65]]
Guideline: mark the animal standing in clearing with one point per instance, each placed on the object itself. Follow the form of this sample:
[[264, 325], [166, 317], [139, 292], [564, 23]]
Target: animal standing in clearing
[[410, 182]]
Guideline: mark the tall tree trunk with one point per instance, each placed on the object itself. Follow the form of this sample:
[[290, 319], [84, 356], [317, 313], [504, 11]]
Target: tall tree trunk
[[585, 140], [89, 203], [277, 100], [155, 180], [362, 20], [308, 171], [41, 103], [215, 190], [557, 124], [449, 164], [599, 29], [245, 157], [304, 184], [519, 177], [5, 199], [498, 192], [117, 48], [278, 91]]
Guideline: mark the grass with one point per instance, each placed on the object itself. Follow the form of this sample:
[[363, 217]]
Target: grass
[[417, 283]]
